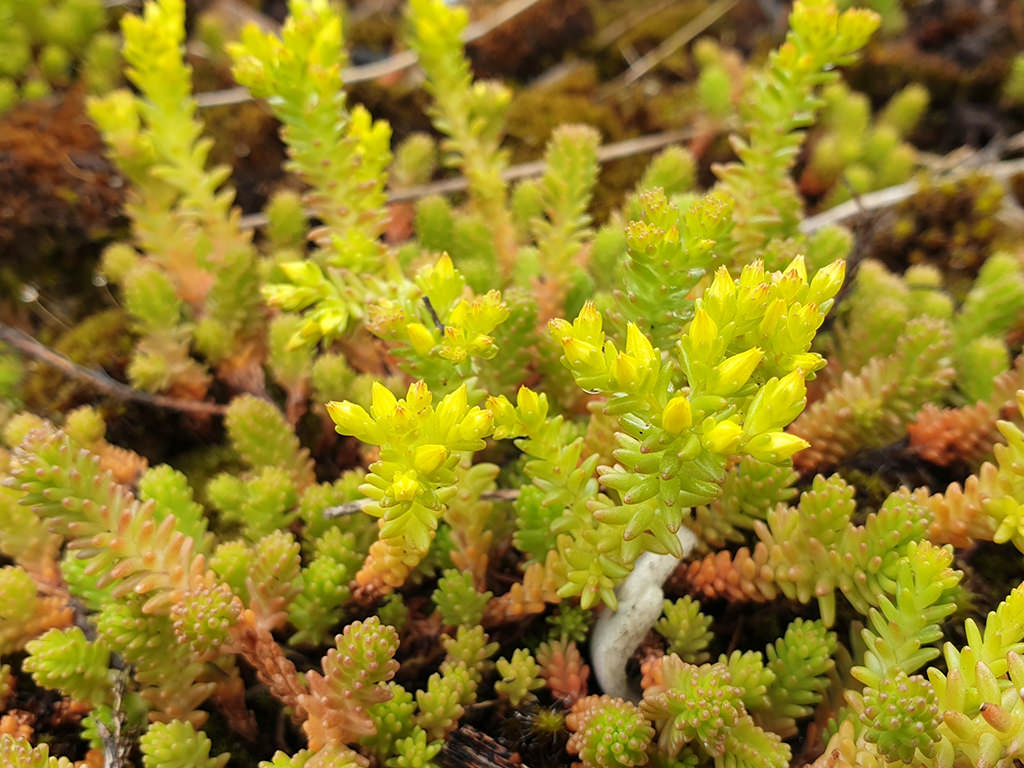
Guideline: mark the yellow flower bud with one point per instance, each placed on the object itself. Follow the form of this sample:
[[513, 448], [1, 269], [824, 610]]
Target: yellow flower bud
[[420, 337], [382, 401], [454, 345], [733, 372], [288, 296], [588, 324], [800, 267], [444, 269], [477, 424], [776, 404], [773, 315], [774, 446], [418, 396], [427, 458], [827, 282], [722, 290], [752, 276], [559, 328], [483, 346], [639, 346], [302, 272], [790, 395], [452, 407], [809, 362], [702, 331], [580, 354], [677, 415], [626, 372], [458, 314], [723, 438], [503, 411], [532, 407], [331, 322], [351, 419]]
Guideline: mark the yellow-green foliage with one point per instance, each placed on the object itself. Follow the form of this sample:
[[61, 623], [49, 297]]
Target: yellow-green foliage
[[342, 154], [854, 155], [470, 115], [190, 279], [47, 44], [440, 332], [19, 753], [414, 478], [178, 745], [744, 358], [779, 106]]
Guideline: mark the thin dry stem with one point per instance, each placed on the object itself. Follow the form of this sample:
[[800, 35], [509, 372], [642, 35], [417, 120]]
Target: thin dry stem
[[101, 381]]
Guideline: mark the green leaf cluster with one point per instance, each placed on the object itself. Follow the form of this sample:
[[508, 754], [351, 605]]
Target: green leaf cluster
[[190, 279], [48, 44]]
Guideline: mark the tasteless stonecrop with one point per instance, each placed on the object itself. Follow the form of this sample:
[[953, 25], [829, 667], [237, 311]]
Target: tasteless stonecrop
[[414, 478], [735, 381]]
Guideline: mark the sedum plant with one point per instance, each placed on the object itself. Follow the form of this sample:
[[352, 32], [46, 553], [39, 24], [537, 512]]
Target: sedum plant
[[342, 155], [188, 278], [50, 44], [852, 154], [469, 114], [414, 478]]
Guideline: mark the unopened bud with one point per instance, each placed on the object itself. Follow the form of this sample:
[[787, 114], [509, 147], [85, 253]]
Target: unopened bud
[[639, 346], [532, 407], [477, 424], [382, 401], [677, 415], [827, 282], [580, 354], [418, 396], [703, 330], [560, 328], [405, 486], [733, 372], [722, 290], [452, 407], [626, 372], [302, 272], [799, 266], [588, 323], [774, 446], [420, 337], [427, 458], [351, 419], [724, 437]]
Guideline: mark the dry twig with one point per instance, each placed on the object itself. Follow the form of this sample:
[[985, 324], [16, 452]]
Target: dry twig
[[638, 146], [99, 380], [671, 44], [890, 196], [389, 66]]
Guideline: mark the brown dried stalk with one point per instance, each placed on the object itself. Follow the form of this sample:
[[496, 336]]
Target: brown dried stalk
[[29, 346], [389, 66]]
